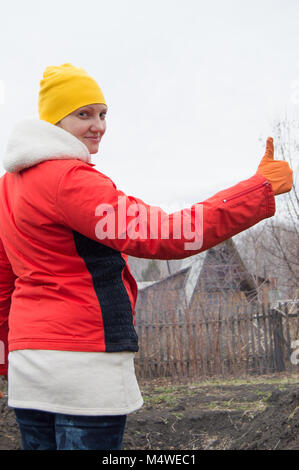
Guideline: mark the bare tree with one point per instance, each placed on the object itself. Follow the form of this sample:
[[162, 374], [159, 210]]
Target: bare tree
[[271, 248], [284, 230]]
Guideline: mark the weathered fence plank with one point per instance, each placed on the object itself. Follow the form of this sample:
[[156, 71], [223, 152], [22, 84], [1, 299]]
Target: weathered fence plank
[[220, 339]]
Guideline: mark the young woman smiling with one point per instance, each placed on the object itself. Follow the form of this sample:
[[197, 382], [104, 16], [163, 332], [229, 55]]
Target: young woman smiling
[[88, 124], [67, 297]]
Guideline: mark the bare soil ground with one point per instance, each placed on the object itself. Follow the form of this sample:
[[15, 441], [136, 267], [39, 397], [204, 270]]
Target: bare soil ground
[[260, 413]]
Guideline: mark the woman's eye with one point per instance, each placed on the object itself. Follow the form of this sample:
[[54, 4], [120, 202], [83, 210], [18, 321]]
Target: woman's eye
[[85, 114]]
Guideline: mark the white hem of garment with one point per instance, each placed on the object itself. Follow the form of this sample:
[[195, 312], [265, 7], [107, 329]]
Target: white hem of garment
[[73, 382], [75, 411]]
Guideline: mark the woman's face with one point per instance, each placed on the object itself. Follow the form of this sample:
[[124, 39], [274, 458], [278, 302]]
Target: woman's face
[[88, 124]]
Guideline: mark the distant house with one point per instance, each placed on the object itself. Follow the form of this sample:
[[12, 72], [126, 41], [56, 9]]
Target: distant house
[[207, 279]]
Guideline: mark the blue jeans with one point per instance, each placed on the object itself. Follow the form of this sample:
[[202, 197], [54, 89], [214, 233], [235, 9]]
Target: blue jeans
[[42, 430]]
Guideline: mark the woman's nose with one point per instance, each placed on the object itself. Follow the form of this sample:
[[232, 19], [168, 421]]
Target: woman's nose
[[98, 125]]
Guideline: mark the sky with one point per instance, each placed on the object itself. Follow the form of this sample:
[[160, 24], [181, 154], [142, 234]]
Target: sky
[[193, 88]]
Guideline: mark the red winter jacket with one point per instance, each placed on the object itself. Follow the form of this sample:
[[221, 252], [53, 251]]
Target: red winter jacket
[[64, 279]]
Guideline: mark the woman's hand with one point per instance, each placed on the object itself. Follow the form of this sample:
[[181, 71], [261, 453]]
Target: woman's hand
[[277, 172]]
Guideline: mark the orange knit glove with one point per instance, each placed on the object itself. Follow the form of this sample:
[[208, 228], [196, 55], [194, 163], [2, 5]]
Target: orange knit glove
[[277, 172]]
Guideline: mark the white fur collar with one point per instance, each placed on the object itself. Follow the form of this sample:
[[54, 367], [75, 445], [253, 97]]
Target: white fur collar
[[34, 141]]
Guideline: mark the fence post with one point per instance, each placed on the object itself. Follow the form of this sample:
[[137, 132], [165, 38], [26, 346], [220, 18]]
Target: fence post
[[246, 337], [278, 340], [288, 335]]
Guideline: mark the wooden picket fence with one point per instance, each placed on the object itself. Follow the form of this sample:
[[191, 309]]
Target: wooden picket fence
[[245, 338]]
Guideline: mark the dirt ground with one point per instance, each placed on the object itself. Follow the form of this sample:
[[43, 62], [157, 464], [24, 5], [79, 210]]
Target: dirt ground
[[260, 413]]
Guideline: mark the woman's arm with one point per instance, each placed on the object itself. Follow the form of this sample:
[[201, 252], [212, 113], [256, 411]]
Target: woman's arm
[[89, 203]]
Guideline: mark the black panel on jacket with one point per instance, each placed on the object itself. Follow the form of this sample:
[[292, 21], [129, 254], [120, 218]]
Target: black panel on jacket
[[105, 266]]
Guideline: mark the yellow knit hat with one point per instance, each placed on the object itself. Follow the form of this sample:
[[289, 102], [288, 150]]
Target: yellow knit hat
[[65, 88]]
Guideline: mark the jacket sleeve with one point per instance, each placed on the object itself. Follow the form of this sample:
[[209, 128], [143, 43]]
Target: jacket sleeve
[[89, 202], [7, 280]]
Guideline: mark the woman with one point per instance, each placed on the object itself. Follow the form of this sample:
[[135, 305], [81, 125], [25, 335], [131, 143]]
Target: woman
[[65, 285]]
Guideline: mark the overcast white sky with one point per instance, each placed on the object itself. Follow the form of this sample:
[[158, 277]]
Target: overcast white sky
[[191, 86]]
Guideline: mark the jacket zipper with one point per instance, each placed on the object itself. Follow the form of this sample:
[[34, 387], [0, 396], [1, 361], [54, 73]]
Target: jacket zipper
[[246, 191]]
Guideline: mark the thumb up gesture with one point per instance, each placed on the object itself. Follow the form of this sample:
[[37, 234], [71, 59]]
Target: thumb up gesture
[[277, 172]]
